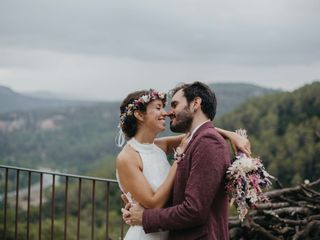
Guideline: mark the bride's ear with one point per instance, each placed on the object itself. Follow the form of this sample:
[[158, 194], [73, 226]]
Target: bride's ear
[[138, 115]]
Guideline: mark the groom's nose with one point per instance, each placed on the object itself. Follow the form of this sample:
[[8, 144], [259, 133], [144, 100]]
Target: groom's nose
[[170, 113]]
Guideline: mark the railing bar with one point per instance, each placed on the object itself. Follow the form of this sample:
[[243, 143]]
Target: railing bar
[[122, 225], [79, 215], [122, 230], [17, 208], [52, 206], [107, 211], [67, 176], [28, 209], [93, 209], [61, 174], [40, 205], [66, 209], [5, 205]]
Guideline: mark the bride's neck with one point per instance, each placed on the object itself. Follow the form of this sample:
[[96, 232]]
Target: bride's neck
[[145, 137]]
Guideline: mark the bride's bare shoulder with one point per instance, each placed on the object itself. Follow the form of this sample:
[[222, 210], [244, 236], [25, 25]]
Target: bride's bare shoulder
[[127, 155]]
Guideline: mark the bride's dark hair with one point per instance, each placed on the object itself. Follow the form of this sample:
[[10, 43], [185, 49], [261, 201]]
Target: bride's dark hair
[[130, 123], [137, 100]]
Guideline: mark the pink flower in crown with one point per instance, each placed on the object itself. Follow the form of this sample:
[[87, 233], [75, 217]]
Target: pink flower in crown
[[153, 94], [137, 102]]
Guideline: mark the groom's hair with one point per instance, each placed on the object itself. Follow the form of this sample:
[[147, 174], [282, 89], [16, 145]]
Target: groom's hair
[[199, 89]]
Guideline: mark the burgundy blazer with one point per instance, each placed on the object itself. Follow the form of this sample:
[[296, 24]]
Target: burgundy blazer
[[199, 206]]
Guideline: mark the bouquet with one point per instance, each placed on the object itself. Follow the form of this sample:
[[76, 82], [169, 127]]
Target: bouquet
[[246, 178]]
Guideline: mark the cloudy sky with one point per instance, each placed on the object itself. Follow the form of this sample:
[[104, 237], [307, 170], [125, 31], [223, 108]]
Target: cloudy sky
[[103, 49]]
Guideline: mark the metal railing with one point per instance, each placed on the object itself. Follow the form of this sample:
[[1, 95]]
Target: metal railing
[[42, 188]]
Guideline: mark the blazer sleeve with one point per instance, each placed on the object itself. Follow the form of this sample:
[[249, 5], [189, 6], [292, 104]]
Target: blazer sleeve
[[207, 172]]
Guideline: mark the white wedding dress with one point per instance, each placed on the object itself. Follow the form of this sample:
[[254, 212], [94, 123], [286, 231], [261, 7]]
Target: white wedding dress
[[155, 168]]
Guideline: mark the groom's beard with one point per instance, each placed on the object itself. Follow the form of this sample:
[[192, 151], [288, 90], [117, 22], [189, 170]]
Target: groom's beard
[[183, 121]]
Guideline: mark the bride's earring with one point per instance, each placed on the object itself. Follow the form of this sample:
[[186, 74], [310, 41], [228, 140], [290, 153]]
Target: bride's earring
[[120, 138]]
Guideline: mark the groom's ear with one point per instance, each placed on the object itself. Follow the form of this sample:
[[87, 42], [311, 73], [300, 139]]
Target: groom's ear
[[196, 103]]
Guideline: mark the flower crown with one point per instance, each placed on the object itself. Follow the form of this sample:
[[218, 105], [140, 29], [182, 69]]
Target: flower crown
[[138, 103]]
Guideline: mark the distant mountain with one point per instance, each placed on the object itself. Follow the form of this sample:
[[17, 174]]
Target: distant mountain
[[43, 95], [13, 101], [230, 95], [284, 129], [74, 137], [54, 96]]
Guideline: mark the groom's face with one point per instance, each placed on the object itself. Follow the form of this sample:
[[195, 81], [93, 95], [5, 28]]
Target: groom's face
[[180, 114]]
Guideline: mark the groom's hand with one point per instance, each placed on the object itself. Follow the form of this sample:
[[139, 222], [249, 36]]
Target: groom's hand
[[136, 213], [125, 210], [126, 213]]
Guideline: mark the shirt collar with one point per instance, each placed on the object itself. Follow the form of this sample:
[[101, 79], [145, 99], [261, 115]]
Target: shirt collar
[[197, 127]]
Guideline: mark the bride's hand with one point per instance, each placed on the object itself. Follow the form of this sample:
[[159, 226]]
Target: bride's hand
[[240, 143]]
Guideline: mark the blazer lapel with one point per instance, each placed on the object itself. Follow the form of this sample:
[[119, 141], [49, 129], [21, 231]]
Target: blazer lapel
[[203, 127]]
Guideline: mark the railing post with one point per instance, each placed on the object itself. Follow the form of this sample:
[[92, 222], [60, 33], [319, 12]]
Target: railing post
[[93, 209], [53, 205], [66, 209], [17, 205], [40, 205], [28, 208], [107, 210], [79, 209], [5, 205]]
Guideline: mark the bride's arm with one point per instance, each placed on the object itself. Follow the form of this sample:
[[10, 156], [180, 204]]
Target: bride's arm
[[129, 168], [167, 144], [238, 142]]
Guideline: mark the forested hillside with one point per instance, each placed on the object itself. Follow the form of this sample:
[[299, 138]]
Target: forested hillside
[[70, 139], [284, 130], [78, 138], [230, 95]]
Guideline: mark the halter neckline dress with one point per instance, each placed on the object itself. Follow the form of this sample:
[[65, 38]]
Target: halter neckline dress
[[155, 168]]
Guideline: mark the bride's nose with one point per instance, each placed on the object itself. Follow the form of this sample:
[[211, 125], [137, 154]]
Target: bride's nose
[[164, 113]]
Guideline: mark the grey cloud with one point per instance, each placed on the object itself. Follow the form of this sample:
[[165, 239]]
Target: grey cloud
[[233, 32]]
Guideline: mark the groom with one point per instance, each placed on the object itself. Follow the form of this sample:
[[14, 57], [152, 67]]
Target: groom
[[199, 207]]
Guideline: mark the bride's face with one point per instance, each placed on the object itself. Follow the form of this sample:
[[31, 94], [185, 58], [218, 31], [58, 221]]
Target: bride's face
[[155, 116]]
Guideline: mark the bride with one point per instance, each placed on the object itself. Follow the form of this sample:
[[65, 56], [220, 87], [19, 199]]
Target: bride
[[143, 171]]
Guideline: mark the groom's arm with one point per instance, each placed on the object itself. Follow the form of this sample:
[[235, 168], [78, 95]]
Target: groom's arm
[[205, 180]]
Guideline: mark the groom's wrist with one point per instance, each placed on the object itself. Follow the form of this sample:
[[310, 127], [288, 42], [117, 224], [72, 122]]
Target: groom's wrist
[[150, 221]]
